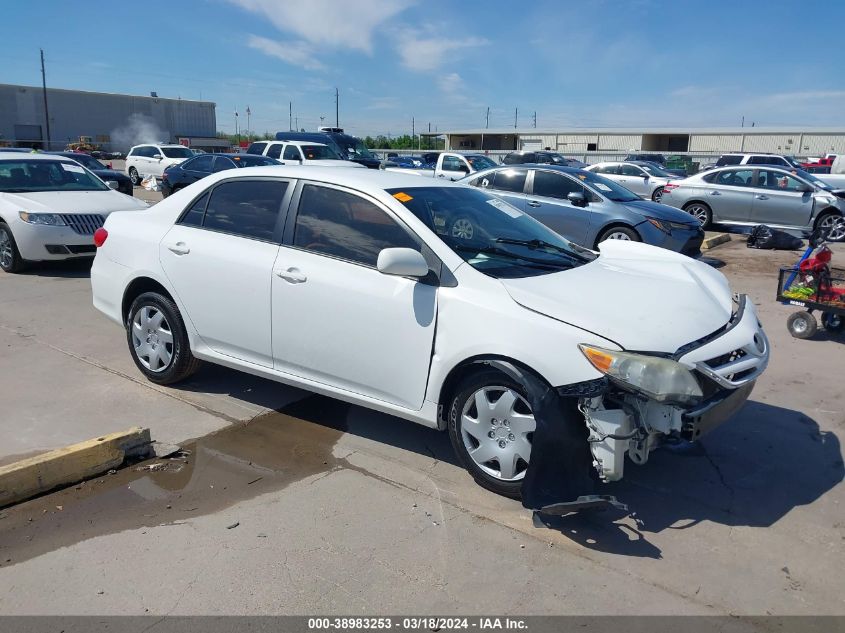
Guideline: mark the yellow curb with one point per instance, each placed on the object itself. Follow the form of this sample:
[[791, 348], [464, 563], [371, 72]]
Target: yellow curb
[[35, 475], [711, 242]]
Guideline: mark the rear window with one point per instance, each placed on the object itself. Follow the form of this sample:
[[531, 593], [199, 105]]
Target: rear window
[[256, 148], [177, 152], [728, 160]]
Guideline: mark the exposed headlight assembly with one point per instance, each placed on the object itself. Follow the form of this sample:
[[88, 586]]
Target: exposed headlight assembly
[[46, 219], [660, 379]]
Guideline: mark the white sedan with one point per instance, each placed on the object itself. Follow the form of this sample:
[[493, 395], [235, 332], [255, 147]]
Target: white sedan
[[645, 179], [50, 207], [356, 284]]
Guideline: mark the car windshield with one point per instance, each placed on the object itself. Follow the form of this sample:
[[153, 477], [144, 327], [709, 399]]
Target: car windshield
[[250, 160], [654, 170], [605, 187], [177, 152], [818, 182], [354, 148], [480, 162], [490, 234], [28, 176], [319, 152]]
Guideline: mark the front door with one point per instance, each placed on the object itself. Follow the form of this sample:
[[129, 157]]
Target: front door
[[219, 259], [336, 319], [779, 199], [634, 179]]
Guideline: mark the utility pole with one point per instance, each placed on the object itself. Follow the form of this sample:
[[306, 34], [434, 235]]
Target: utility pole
[[515, 117], [413, 132], [488, 118], [297, 123], [321, 121], [535, 118], [743, 121], [44, 89], [237, 131], [249, 134], [290, 115], [428, 139], [336, 108]]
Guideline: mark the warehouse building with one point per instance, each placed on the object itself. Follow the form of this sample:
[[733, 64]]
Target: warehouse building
[[113, 122], [607, 142]]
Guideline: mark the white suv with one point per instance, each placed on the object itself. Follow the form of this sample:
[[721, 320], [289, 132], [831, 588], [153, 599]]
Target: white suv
[[301, 153], [153, 159], [757, 159]]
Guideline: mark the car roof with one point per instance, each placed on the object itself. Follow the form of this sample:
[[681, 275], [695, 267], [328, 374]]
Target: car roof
[[29, 156], [299, 143], [155, 144]]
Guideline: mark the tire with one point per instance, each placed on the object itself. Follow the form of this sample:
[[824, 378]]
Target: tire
[[802, 325], [135, 177], [619, 233], [700, 212], [657, 194], [10, 256], [833, 322], [827, 221], [158, 340], [513, 420]]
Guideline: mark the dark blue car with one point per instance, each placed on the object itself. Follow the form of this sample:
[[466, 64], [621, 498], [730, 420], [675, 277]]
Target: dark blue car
[[179, 176]]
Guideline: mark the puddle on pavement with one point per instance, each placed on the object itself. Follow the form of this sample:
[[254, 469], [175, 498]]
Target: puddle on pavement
[[236, 463]]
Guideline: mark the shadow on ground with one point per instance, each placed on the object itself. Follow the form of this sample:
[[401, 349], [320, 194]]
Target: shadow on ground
[[68, 269]]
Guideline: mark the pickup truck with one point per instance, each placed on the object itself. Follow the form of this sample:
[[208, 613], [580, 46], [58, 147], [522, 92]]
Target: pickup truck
[[449, 165]]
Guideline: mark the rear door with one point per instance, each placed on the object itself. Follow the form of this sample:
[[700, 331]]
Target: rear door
[[197, 168], [633, 178], [548, 203], [219, 259], [779, 199], [509, 184], [730, 195]]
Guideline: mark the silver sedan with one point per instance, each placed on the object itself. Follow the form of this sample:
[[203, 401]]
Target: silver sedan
[[746, 195], [644, 179]]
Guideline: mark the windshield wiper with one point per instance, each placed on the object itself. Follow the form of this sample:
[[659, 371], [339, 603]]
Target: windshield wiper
[[537, 243]]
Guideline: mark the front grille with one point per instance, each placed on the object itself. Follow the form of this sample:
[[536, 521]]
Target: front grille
[[739, 366], [84, 223]]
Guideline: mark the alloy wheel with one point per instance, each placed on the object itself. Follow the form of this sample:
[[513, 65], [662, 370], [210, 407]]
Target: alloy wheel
[[152, 338], [833, 226], [7, 254], [497, 427], [699, 212], [618, 235]]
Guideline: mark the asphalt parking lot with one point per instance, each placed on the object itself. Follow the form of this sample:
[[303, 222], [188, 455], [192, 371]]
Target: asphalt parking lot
[[285, 502]]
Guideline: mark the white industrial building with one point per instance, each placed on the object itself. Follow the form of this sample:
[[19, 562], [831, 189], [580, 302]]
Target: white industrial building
[[601, 143], [112, 121]]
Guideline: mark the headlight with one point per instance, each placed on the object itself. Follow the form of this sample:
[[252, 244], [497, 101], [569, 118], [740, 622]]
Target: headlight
[[668, 227], [48, 219], [660, 379]]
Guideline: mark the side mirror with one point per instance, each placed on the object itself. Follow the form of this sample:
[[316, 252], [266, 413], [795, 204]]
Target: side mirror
[[402, 262], [158, 156], [806, 189], [646, 176], [577, 198], [112, 184]]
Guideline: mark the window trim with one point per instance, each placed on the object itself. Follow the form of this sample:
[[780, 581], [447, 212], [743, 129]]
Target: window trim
[[281, 218], [293, 214]]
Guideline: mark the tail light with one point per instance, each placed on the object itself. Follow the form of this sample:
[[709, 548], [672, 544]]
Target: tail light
[[100, 236], [164, 175], [110, 166], [669, 186]]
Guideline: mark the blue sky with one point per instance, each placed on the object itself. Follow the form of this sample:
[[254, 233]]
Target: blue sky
[[588, 63]]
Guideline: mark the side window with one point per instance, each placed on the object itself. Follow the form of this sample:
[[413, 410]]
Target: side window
[[246, 207], [274, 151], [778, 180], [631, 170], [553, 185], [485, 182], [291, 153], [613, 170], [511, 159], [452, 163], [194, 215], [222, 163], [344, 225], [735, 177], [510, 180], [200, 163]]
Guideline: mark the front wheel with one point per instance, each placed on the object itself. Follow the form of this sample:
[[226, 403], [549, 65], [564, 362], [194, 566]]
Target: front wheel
[[657, 196], [492, 426], [831, 226], [619, 233], [158, 340], [802, 324], [10, 256], [700, 212], [134, 176]]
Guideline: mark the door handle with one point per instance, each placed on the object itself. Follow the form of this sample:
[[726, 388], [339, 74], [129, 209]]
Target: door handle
[[534, 203], [180, 248], [715, 193], [761, 197], [292, 275]]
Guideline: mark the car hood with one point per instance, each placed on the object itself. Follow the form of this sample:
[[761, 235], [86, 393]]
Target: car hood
[[72, 201], [660, 211], [641, 297]]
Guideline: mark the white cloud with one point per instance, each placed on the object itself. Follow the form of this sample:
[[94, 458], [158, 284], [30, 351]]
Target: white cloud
[[336, 24], [295, 53], [428, 53]]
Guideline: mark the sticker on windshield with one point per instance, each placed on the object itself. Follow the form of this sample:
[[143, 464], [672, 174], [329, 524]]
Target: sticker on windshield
[[602, 186], [401, 196], [74, 168], [505, 207]]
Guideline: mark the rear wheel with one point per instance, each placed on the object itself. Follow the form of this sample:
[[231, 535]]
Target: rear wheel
[[134, 176], [619, 233], [700, 212], [10, 257], [657, 195], [158, 340], [802, 324]]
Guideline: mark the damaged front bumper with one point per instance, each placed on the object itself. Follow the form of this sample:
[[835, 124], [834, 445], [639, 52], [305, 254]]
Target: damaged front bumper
[[726, 365]]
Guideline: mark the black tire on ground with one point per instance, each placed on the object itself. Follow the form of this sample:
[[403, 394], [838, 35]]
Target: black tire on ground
[[700, 212], [617, 230], [802, 324], [657, 194], [182, 363], [833, 322], [10, 257], [134, 176]]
